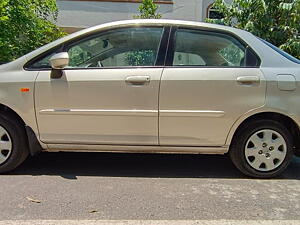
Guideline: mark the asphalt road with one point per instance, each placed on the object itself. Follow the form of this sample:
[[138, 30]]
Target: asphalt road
[[106, 186]]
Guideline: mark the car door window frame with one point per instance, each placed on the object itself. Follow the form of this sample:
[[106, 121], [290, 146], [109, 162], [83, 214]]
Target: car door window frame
[[172, 47], [31, 62], [159, 61], [161, 50]]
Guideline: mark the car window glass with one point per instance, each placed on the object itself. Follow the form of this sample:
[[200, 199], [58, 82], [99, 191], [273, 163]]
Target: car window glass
[[183, 58], [42, 63], [131, 58], [212, 49], [117, 48]]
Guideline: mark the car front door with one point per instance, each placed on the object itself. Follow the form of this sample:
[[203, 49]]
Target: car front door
[[212, 79], [109, 92]]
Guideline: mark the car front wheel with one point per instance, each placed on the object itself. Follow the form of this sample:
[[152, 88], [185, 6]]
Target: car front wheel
[[262, 149], [13, 143]]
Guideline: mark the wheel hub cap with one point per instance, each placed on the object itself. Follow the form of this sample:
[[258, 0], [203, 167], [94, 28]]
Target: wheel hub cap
[[5, 145], [265, 150]]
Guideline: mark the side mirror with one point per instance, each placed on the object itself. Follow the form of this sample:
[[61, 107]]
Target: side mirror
[[59, 61]]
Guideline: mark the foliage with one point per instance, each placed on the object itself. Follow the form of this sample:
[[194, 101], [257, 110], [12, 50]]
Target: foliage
[[25, 26], [148, 10], [232, 54], [276, 21], [141, 58]]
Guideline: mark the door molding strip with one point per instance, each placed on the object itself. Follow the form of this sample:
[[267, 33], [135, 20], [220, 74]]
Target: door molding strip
[[99, 112], [191, 113], [134, 112]]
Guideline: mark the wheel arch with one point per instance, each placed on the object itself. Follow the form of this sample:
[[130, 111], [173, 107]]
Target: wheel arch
[[33, 143], [281, 117], [6, 110]]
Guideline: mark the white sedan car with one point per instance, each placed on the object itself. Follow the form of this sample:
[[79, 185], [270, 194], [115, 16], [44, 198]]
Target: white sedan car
[[154, 86]]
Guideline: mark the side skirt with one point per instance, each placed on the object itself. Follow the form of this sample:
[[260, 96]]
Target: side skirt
[[136, 149]]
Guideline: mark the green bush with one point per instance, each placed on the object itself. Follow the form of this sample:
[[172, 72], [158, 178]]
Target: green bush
[[148, 10], [277, 21], [25, 26], [141, 58]]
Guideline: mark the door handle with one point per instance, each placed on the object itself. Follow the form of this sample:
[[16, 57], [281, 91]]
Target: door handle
[[248, 80], [137, 80]]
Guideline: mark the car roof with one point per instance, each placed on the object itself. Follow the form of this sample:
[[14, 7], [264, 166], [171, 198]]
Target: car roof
[[163, 22], [171, 22]]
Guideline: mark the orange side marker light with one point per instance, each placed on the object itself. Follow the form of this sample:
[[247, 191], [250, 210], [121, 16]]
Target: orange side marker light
[[24, 89]]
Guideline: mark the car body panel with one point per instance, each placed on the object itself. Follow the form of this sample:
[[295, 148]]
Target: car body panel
[[98, 106], [199, 107], [22, 102], [12, 80], [138, 149], [186, 120], [286, 101], [277, 101]]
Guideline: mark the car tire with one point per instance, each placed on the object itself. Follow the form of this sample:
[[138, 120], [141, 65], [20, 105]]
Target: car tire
[[13, 143], [262, 149]]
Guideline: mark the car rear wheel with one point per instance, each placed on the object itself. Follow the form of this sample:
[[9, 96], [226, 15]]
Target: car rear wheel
[[262, 149], [13, 143]]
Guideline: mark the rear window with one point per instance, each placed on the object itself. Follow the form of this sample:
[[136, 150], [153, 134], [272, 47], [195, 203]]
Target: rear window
[[212, 49], [281, 52]]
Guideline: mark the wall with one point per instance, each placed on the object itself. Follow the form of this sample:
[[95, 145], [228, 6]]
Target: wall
[[81, 14]]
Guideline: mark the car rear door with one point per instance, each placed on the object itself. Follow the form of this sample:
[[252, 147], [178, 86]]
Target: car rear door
[[109, 94], [212, 78]]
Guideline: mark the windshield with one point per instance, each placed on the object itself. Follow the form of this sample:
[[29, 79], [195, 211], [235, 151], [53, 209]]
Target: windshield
[[281, 52]]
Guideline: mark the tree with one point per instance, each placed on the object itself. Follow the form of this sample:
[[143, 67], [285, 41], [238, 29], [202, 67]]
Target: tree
[[25, 26], [276, 21], [148, 10]]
